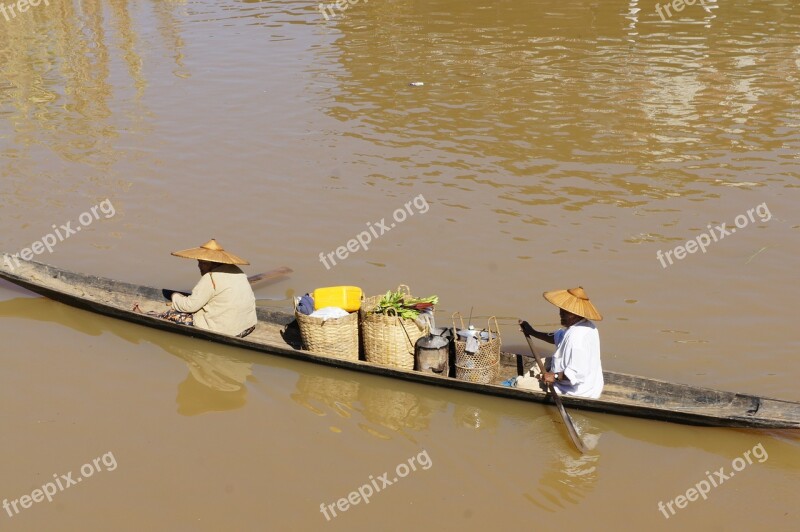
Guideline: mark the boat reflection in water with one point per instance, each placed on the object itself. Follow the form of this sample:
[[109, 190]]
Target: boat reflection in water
[[338, 394], [473, 417], [560, 479], [383, 410], [527, 443], [561, 476], [215, 383], [569, 476]]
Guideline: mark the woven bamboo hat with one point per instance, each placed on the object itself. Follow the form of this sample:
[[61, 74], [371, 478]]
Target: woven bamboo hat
[[574, 300], [210, 252]]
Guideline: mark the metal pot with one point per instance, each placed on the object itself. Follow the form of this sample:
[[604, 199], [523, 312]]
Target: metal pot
[[432, 352]]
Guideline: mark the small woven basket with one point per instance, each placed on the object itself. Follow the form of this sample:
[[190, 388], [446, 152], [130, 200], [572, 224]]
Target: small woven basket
[[388, 340], [483, 365], [336, 337]]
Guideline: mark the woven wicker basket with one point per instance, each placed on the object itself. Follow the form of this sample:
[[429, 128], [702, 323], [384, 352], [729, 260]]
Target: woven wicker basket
[[337, 337], [483, 365], [388, 339]]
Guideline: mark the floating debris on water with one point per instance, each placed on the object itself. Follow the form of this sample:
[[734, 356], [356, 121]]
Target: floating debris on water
[[754, 255], [416, 84]]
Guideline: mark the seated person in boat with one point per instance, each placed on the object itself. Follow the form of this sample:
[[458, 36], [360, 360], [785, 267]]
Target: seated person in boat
[[222, 301], [575, 367]]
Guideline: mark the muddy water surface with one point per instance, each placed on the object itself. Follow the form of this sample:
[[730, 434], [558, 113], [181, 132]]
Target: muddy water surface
[[543, 145]]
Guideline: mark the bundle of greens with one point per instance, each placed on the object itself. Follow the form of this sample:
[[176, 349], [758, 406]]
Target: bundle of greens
[[404, 305]]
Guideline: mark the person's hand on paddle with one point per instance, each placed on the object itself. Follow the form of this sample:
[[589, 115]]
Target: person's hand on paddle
[[547, 378], [526, 328]]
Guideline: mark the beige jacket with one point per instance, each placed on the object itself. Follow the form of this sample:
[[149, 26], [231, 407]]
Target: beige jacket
[[221, 302]]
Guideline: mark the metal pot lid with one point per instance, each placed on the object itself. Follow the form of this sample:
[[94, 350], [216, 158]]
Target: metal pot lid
[[483, 335], [440, 331], [432, 342]]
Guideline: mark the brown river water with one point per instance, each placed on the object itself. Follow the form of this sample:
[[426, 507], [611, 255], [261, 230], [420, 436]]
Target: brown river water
[[516, 146]]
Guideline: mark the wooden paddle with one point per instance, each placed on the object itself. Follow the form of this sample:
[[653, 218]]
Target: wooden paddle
[[253, 279], [573, 433], [270, 275]]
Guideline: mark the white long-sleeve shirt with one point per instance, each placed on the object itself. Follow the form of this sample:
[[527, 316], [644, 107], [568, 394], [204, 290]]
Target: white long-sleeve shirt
[[222, 301], [577, 356]]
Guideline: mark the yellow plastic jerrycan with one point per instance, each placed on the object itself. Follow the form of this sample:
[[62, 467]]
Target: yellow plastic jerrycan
[[346, 297]]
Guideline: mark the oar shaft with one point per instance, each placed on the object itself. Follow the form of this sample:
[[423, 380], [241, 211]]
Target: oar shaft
[[539, 361], [277, 273]]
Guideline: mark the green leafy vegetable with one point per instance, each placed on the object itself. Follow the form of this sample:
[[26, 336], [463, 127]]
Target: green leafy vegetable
[[403, 305]]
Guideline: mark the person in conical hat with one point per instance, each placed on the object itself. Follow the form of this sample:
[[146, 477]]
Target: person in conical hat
[[222, 301], [575, 367]]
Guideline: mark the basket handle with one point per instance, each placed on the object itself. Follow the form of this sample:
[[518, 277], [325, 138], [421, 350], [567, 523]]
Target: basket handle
[[460, 317], [496, 327], [404, 289], [362, 309], [402, 326]]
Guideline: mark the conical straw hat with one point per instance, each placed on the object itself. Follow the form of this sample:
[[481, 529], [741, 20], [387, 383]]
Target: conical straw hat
[[574, 300], [211, 252]]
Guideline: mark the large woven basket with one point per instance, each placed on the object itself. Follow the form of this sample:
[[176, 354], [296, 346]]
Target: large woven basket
[[337, 337], [388, 339], [483, 365]]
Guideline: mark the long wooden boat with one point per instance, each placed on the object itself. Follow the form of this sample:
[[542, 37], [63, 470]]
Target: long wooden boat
[[277, 334]]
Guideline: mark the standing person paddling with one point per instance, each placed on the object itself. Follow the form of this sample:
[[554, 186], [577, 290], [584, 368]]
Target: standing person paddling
[[222, 301], [575, 367]]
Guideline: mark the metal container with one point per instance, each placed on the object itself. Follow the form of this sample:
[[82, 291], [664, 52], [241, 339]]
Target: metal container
[[432, 352], [484, 335]]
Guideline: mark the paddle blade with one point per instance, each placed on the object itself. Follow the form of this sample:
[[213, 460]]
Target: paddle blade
[[571, 430], [277, 273]]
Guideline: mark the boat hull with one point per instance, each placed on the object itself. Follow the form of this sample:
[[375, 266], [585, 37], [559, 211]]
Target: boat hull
[[624, 394]]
